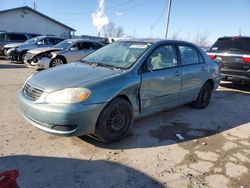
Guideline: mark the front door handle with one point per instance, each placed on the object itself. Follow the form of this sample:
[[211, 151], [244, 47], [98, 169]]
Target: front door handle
[[203, 68], [177, 74]]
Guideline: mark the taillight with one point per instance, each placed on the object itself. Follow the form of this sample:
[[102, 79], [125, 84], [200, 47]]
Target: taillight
[[246, 59], [212, 56]]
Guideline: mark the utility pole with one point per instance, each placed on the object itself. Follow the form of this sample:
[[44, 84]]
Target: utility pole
[[168, 18], [34, 5]]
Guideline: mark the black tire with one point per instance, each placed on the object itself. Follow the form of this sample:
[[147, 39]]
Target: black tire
[[204, 96], [57, 61], [115, 121]]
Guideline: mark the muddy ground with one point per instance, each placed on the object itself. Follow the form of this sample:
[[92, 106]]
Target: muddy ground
[[214, 153]]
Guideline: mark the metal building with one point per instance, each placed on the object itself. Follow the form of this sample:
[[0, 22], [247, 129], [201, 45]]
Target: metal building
[[26, 19]]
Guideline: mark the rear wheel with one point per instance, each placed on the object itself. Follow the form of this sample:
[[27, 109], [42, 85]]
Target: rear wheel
[[204, 96], [115, 121], [57, 62]]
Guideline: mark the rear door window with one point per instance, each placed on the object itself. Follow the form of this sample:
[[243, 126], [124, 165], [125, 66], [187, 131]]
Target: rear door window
[[86, 46], [189, 55], [49, 41], [231, 44], [56, 41]]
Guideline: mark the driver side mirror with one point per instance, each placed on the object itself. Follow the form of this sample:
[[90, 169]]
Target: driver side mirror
[[39, 43], [147, 66], [73, 49]]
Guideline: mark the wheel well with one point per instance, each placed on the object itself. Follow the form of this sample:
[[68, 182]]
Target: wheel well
[[211, 82], [21, 53], [125, 98]]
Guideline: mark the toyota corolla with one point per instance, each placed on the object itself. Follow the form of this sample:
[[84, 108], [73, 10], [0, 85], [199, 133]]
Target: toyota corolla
[[103, 93]]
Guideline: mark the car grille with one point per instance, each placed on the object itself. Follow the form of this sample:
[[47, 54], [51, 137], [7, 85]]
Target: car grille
[[32, 92]]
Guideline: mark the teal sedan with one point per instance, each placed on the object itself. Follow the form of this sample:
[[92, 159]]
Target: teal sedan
[[103, 93]]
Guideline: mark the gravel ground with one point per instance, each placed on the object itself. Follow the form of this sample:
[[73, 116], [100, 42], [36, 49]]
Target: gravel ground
[[214, 153]]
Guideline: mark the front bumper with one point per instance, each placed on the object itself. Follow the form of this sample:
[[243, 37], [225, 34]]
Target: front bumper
[[42, 63], [13, 55], [61, 119]]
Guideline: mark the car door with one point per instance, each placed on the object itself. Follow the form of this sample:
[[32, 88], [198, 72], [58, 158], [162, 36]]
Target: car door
[[194, 72], [160, 80], [74, 53]]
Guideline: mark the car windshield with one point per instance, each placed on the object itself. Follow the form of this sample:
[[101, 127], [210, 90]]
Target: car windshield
[[231, 44], [118, 54], [64, 44], [32, 41]]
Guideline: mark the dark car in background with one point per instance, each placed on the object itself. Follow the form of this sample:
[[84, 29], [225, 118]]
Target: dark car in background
[[233, 55], [18, 53], [14, 37]]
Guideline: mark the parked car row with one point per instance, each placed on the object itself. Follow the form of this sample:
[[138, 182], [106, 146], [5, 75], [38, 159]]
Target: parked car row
[[42, 52]]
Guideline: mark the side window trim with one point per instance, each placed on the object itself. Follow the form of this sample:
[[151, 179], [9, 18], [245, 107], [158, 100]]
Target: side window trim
[[201, 58]]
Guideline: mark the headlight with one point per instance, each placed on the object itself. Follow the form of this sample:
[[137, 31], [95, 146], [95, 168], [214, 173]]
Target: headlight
[[68, 95]]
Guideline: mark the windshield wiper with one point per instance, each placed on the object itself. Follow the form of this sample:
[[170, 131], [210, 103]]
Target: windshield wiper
[[95, 64]]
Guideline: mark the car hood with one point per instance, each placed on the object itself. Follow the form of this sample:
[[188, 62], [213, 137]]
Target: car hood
[[26, 47], [70, 75], [41, 50], [12, 45]]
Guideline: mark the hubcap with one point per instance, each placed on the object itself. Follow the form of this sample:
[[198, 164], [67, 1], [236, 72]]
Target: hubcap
[[117, 120], [57, 62]]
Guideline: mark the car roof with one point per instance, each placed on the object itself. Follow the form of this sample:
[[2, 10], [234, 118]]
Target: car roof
[[231, 37], [83, 40], [43, 36], [154, 40]]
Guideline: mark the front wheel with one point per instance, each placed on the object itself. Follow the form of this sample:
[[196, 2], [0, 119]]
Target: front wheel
[[22, 57], [204, 96], [57, 62], [115, 121]]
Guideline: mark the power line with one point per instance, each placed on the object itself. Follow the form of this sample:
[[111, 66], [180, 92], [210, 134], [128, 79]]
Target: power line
[[158, 19], [113, 13], [90, 11]]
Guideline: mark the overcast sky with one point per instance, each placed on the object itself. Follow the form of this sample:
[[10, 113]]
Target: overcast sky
[[144, 18]]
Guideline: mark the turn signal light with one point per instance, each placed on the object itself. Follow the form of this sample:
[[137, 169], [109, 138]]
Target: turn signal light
[[246, 59]]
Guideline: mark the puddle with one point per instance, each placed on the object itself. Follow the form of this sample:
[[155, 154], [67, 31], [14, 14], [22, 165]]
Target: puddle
[[168, 132]]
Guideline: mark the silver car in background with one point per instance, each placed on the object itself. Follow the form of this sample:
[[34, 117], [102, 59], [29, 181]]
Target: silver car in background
[[64, 52]]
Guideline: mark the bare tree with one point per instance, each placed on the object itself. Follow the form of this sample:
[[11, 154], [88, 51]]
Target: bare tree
[[110, 30], [201, 39], [119, 32], [175, 35]]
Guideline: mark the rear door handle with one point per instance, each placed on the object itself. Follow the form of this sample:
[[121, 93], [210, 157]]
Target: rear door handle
[[177, 73], [203, 68]]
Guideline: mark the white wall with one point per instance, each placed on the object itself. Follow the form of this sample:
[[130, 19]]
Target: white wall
[[27, 21]]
